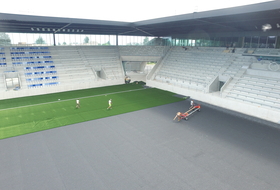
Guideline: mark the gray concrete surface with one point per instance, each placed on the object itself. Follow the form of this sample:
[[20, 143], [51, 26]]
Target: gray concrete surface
[[146, 149]]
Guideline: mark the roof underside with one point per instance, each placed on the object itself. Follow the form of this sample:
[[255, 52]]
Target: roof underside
[[248, 18]]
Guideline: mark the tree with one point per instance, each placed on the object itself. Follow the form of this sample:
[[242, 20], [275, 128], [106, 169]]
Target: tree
[[40, 40], [146, 41], [106, 44], [5, 39], [86, 40]]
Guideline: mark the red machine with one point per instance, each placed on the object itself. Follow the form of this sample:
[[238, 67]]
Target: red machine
[[185, 115]]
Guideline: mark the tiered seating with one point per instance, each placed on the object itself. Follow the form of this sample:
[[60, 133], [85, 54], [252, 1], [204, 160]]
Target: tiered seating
[[113, 73], [75, 74], [142, 50], [274, 52], [262, 51], [65, 55], [265, 51], [99, 57], [30, 55], [70, 66], [264, 91], [192, 69], [2, 84], [81, 63], [236, 63], [36, 64], [38, 78], [3, 62]]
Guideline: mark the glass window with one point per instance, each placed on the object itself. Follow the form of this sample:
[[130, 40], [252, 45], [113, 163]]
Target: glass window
[[247, 42], [216, 42], [263, 42], [271, 41], [255, 41], [235, 42]]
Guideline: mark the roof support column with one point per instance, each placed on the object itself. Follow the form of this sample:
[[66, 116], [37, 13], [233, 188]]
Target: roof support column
[[117, 40], [54, 39]]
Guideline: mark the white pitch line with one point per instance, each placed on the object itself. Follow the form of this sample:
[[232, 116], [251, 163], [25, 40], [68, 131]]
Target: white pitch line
[[71, 99]]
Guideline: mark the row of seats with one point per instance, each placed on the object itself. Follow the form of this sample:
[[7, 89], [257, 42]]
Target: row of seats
[[254, 99], [142, 50], [42, 84], [35, 57], [269, 94], [41, 78], [264, 80], [3, 64], [41, 73], [32, 52], [40, 67], [27, 48], [31, 62]]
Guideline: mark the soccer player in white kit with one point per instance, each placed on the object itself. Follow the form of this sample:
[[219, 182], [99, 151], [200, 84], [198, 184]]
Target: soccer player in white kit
[[77, 103], [110, 104]]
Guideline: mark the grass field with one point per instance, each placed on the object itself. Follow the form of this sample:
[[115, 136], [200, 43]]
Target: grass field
[[31, 114]]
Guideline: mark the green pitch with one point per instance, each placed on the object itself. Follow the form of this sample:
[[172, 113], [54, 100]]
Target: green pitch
[[31, 114]]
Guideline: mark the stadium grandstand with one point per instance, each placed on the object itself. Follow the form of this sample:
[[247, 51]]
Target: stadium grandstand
[[229, 58], [226, 58]]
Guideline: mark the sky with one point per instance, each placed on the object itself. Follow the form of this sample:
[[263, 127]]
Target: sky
[[117, 10]]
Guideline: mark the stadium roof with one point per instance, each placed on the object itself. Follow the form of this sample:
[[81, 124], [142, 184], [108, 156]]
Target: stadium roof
[[249, 18]]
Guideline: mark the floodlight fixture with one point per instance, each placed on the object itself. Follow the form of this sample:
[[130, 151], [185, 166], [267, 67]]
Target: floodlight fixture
[[266, 27]]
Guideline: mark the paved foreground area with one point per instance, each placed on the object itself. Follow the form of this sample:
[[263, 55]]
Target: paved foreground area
[[146, 150]]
